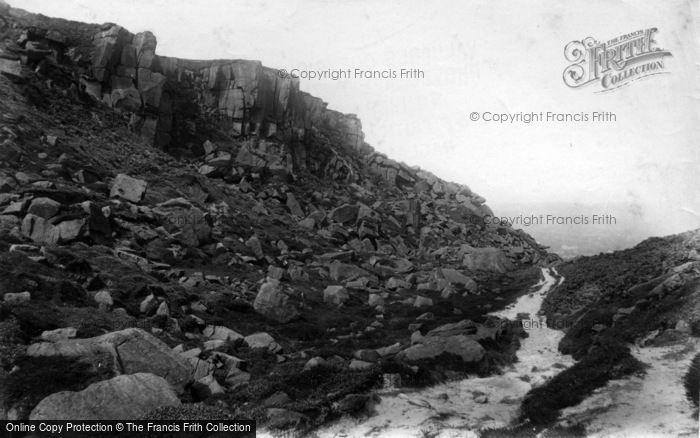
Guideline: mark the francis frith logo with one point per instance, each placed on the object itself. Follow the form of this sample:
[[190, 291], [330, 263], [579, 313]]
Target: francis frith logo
[[614, 63]]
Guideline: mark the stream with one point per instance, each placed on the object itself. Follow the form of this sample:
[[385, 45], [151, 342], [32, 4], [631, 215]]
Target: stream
[[451, 409]]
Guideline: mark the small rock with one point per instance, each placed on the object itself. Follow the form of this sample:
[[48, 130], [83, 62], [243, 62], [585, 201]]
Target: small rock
[[51, 140], [367, 355], [147, 304], [428, 316], [293, 206], [221, 333], [254, 244], [207, 387], [375, 300], [104, 300], [279, 398], [18, 297], [599, 328], [208, 147], [359, 365], [415, 326], [389, 350], [275, 272], [422, 301], [682, 326], [283, 419], [416, 337], [314, 362], [263, 340], [163, 309], [59, 333], [308, 223], [213, 344], [237, 380], [357, 404]]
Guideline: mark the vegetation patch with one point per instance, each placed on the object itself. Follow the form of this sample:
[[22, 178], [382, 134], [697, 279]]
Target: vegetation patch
[[39, 377]]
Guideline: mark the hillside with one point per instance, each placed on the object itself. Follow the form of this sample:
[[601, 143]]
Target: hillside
[[648, 297], [204, 239]]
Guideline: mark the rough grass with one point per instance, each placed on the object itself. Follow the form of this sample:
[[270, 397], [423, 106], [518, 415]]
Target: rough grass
[[39, 377], [11, 345], [34, 317], [312, 391]]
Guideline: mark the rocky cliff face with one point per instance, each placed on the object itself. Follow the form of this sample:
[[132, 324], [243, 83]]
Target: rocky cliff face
[[240, 97], [233, 227]]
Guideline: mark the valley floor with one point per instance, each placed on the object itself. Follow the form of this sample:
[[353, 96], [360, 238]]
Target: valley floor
[[653, 405], [461, 408]]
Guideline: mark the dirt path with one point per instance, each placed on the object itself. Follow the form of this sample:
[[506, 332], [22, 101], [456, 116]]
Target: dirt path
[[650, 406]]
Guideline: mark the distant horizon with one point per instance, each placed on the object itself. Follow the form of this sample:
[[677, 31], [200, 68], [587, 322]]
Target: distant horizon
[[631, 227], [646, 158]]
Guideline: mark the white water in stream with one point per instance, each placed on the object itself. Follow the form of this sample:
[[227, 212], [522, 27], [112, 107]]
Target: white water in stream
[[450, 409]]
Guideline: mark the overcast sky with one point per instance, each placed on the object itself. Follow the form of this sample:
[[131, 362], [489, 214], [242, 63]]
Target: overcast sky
[[498, 56]]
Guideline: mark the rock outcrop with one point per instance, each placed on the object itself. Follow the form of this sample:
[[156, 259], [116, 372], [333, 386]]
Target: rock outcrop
[[119, 398], [132, 351]]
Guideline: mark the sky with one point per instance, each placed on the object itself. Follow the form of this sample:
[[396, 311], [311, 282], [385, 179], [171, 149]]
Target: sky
[[476, 56]]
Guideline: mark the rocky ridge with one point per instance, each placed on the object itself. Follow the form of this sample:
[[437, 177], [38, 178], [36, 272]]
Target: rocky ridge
[[209, 233]]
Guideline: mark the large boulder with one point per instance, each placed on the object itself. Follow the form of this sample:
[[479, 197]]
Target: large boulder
[[45, 208], [187, 223], [455, 277], [258, 154], [132, 351], [42, 230], [335, 295], [11, 68], [272, 302], [486, 259], [458, 338], [344, 271], [431, 347], [345, 214], [128, 188], [469, 328], [123, 397]]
